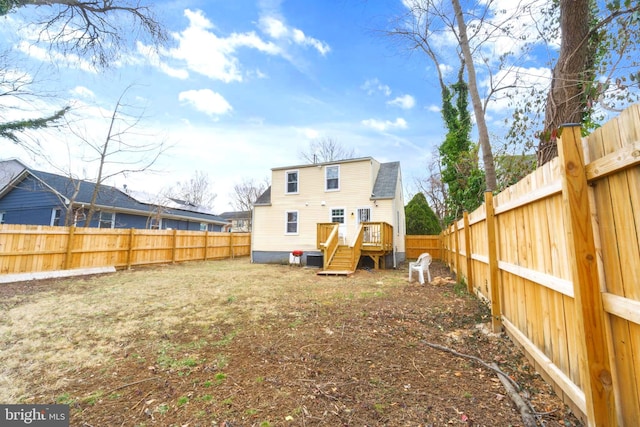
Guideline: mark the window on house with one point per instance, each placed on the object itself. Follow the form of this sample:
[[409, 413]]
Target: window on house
[[332, 178], [1, 217], [292, 222], [155, 223], [203, 226], [107, 220], [337, 215], [292, 182], [55, 216], [79, 215]]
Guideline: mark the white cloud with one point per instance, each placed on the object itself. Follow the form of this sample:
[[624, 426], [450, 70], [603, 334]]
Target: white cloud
[[433, 108], [372, 86], [45, 55], [406, 102], [445, 69], [83, 92], [153, 58], [276, 28], [206, 101], [202, 51], [205, 53], [385, 125]]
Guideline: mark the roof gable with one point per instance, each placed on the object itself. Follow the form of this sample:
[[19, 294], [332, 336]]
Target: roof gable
[[81, 192]]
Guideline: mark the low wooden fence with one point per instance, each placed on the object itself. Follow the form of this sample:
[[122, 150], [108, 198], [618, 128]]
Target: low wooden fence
[[558, 257], [414, 245], [29, 249]]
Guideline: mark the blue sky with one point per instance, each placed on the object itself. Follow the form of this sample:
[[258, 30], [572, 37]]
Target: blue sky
[[245, 86]]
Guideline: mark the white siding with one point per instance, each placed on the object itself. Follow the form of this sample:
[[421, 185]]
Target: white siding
[[314, 205]]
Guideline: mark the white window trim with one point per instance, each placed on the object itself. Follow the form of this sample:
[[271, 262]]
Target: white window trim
[[344, 210], [286, 223], [53, 216], [364, 208], [286, 181], [326, 170], [112, 221], [153, 221]]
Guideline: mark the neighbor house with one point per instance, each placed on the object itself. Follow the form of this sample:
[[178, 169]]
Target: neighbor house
[[347, 212], [41, 198], [240, 220]]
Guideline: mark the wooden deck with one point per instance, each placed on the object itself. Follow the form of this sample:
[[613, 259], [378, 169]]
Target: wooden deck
[[374, 239]]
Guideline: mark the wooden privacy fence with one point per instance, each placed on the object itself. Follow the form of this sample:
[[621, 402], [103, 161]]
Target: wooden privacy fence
[[414, 245], [558, 257], [28, 249]]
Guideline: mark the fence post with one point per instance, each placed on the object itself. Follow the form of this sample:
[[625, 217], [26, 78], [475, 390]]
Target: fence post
[[494, 277], [206, 243], [231, 245], [174, 246], [597, 385], [456, 231], [132, 232], [67, 260], [467, 249]]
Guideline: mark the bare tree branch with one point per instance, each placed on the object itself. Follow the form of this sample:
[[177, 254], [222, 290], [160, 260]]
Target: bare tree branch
[[325, 149], [96, 29]]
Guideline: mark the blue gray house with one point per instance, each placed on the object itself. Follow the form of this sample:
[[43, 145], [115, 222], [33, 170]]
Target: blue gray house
[[34, 197]]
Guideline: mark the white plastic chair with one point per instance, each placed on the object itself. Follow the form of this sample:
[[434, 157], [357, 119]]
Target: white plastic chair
[[421, 265], [342, 233]]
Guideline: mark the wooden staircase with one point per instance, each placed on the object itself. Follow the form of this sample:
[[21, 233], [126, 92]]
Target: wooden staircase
[[342, 262], [372, 239]]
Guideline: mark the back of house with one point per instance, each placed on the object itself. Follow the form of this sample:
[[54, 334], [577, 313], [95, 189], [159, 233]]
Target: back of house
[[347, 192]]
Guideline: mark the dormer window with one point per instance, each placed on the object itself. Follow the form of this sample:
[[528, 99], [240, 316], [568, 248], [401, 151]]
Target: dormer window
[[332, 178], [292, 182]]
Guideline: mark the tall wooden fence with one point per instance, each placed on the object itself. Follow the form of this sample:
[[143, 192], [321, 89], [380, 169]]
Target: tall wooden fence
[[558, 257], [416, 244], [28, 249]]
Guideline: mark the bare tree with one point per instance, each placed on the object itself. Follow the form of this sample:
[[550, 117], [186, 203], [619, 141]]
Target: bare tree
[[245, 195], [122, 151], [96, 29], [434, 189], [196, 191], [99, 30], [483, 132], [426, 25], [17, 116], [325, 150]]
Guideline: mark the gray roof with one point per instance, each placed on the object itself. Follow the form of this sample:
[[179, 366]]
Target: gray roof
[[264, 199], [112, 197], [236, 215], [386, 181]]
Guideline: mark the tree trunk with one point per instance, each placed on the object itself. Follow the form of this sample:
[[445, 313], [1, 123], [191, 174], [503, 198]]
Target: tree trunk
[[565, 103], [483, 133]]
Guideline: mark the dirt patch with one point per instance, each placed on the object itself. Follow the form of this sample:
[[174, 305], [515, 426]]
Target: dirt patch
[[234, 344]]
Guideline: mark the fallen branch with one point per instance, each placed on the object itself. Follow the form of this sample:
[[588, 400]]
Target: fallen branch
[[509, 384], [494, 368], [525, 410]]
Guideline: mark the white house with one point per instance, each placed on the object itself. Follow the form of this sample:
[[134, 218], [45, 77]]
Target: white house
[[354, 207]]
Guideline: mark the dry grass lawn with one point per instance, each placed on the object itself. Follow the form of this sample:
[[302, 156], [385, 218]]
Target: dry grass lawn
[[234, 343]]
